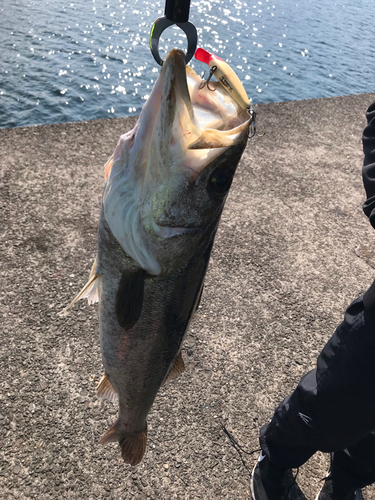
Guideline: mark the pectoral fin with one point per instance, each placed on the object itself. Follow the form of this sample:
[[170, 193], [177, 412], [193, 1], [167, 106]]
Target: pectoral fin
[[129, 299]]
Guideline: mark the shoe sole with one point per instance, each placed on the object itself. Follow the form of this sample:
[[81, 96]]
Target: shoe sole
[[358, 495], [300, 493]]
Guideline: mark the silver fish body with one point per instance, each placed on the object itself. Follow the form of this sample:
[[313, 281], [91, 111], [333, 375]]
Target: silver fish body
[[166, 187], [137, 359]]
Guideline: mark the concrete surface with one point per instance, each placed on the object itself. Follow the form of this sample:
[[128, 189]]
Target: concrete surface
[[292, 251]]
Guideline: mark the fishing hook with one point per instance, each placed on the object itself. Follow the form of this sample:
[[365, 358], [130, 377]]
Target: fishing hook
[[253, 124], [206, 82], [176, 12]]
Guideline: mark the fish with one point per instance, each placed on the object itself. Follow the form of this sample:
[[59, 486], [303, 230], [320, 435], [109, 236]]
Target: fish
[[166, 186]]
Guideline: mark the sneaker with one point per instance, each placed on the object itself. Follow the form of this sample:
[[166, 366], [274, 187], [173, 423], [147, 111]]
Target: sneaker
[[271, 483], [333, 491]]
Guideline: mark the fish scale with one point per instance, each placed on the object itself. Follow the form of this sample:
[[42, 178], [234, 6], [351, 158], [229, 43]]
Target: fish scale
[[160, 212]]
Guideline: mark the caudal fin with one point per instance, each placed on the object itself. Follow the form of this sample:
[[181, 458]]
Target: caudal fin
[[133, 445]]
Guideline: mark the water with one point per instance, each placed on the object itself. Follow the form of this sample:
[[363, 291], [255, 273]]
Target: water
[[85, 59]]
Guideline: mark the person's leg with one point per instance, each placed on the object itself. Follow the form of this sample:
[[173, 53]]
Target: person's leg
[[333, 406], [351, 469], [356, 463]]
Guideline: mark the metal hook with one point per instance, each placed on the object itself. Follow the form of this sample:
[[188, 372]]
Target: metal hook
[[163, 23], [253, 124], [206, 82]]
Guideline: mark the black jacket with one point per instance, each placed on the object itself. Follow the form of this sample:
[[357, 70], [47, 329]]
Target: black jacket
[[368, 175], [368, 170]]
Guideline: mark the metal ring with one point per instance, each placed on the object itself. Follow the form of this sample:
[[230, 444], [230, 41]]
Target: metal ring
[[163, 23]]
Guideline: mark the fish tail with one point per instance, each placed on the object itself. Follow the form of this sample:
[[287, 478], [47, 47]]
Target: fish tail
[[133, 445]]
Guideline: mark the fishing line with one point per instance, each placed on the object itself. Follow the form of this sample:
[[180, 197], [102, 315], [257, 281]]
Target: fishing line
[[236, 444], [240, 449]]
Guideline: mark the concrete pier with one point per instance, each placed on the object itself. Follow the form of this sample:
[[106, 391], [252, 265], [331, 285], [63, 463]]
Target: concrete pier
[[293, 250]]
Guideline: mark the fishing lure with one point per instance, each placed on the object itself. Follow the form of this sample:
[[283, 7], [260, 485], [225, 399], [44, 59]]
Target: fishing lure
[[225, 75]]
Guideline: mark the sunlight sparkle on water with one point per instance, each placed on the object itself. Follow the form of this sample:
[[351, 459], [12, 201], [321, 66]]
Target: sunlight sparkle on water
[[72, 62]]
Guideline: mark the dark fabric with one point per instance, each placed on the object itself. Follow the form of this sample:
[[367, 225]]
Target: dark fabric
[[369, 300], [355, 466], [333, 406], [368, 170]]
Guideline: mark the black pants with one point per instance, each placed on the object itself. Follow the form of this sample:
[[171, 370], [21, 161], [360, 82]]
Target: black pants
[[333, 407]]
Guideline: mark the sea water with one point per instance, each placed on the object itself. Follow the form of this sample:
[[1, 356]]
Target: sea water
[[85, 59]]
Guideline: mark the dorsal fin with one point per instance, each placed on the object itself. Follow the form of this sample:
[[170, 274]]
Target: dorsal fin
[[178, 367], [129, 299]]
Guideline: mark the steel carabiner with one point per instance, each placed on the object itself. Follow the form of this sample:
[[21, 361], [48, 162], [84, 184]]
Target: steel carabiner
[[176, 12]]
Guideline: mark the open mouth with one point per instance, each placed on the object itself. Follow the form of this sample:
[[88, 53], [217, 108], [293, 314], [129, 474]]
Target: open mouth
[[182, 129], [185, 125]]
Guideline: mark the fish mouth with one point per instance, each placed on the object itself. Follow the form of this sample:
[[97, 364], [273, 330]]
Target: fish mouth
[[181, 130], [183, 126]]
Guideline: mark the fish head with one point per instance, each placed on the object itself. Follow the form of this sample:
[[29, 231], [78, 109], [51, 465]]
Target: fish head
[[169, 177]]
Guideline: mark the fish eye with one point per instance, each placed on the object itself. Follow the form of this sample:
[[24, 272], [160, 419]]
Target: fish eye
[[220, 182]]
